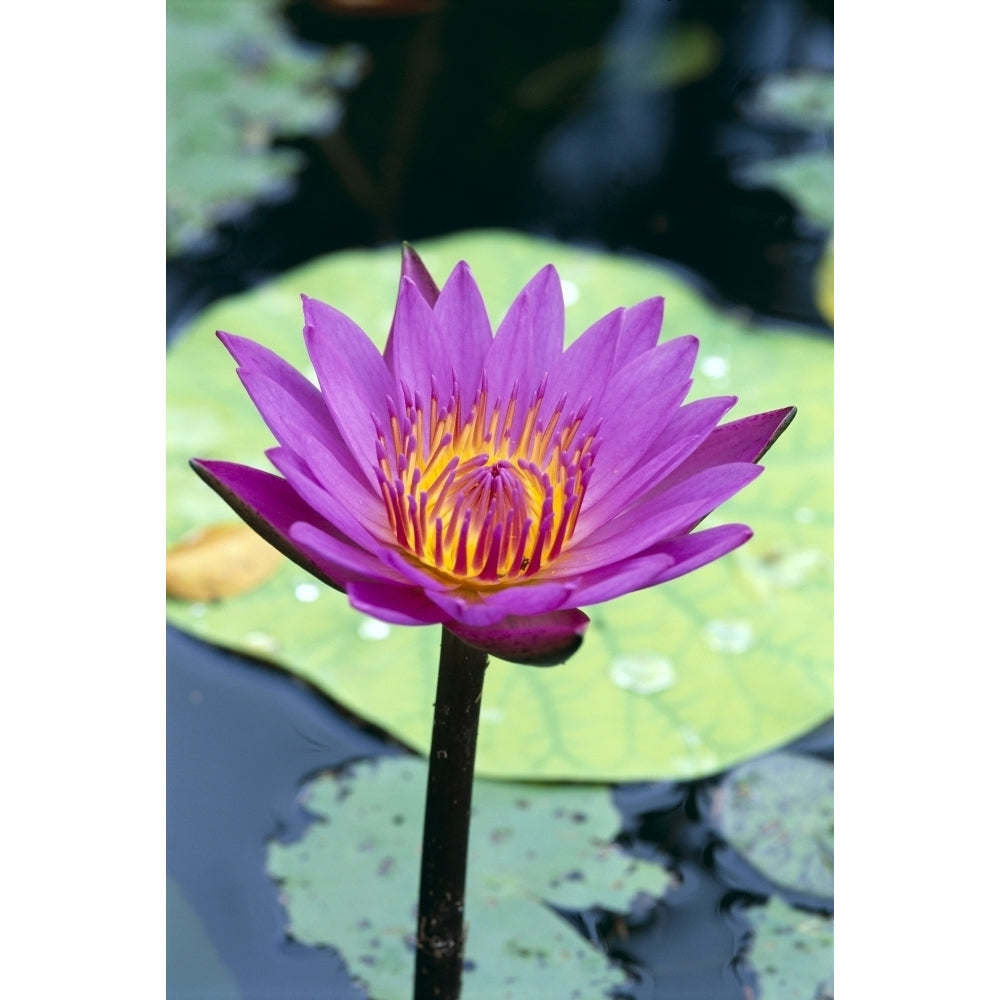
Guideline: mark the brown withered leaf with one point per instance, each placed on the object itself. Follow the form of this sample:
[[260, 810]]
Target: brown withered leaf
[[219, 561]]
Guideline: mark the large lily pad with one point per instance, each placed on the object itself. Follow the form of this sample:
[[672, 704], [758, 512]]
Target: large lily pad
[[351, 881], [677, 681]]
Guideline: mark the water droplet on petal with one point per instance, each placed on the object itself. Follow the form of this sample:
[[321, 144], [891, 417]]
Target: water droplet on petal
[[372, 629], [643, 673], [262, 642], [728, 637], [570, 292], [714, 366], [307, 593]]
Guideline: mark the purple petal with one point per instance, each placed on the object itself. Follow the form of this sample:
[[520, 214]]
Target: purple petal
[[345, 560], [487, 608], [538, 641], [649, 390], [659, 517], [640, 331], [686, 430], [269, 505], [389, 602], [465, 325], [414, 269], [744, 440], [363, 522], [583, 370], [529, 340], [274, 385], [665, 561], [415, 344], [352, 375], [295, 428]]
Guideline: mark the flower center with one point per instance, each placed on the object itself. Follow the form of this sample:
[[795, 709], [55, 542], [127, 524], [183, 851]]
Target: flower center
[[487, 497]]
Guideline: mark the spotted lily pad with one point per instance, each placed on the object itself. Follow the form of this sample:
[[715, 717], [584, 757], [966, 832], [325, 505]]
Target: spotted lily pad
[[778, 813], [677, 681], [792, 953], [351, 881]]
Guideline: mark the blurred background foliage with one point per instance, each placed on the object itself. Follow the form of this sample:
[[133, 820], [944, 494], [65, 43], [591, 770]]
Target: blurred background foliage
[[699, 131]]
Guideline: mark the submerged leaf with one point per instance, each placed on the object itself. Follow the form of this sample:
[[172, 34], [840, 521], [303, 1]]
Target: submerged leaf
[[219, 561], [351, 881], [733, 660]]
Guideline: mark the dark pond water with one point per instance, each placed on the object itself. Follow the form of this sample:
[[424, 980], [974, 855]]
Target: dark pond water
[[653, 175]]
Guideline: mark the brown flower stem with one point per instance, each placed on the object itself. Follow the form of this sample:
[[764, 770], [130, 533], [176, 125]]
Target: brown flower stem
[[441, 914]]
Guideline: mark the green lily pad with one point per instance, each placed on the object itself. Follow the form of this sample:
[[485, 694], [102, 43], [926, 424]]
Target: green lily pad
[[792, 953], [236, 80], [778, 813], [351, 881], [677, 681]]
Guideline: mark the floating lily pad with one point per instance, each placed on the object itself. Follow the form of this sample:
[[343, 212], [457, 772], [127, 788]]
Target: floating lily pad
[[351, 881], [792, 953], [236, 80], [677, 681], [778, 813]]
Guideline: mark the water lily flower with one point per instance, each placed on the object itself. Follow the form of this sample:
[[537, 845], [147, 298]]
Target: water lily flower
[[491, 483]]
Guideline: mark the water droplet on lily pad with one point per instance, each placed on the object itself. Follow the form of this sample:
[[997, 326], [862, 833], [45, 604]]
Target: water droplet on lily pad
[[728, 637], [261, 642], [714, 366], [643, 673], [372, 629]]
